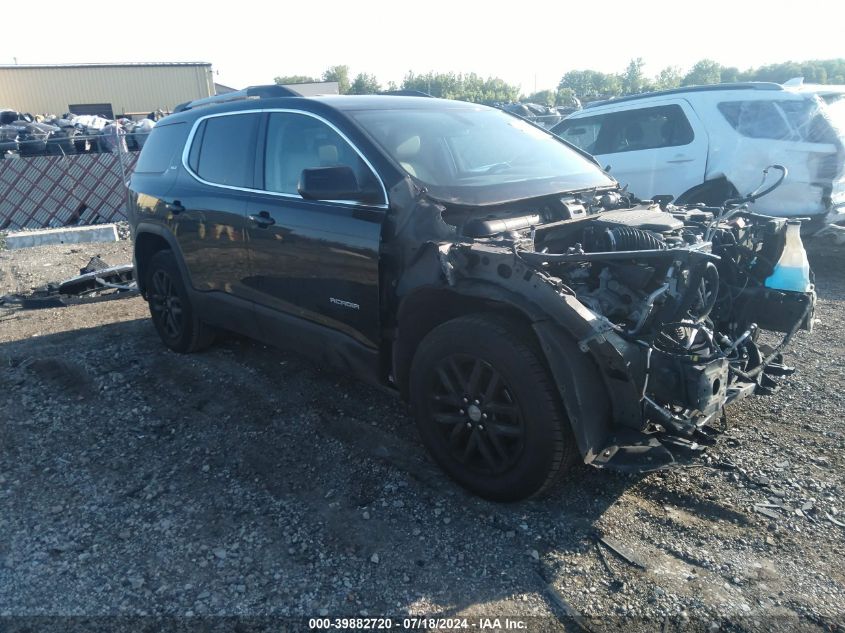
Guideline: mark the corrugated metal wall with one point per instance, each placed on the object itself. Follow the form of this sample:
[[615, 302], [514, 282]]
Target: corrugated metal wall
[[128, 88]]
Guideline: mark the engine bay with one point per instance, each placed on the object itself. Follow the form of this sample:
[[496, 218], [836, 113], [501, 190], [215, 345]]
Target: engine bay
[[688, 286]]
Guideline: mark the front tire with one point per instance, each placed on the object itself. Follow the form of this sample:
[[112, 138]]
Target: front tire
[[173, 315], [487, 409]]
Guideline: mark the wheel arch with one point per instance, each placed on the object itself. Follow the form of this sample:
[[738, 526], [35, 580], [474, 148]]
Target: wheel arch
[[150, 239], [581, 387], [711, 192], [426, 308]]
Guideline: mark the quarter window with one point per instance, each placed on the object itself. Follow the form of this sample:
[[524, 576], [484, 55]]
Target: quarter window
[[160, 148], [298, 141], [224, 148], [782, 120], [756, 119]]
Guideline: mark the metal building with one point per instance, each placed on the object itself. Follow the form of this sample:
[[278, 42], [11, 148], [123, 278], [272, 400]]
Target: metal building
[[104, 89]]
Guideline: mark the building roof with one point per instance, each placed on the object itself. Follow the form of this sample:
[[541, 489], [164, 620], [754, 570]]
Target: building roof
[[105, 65]]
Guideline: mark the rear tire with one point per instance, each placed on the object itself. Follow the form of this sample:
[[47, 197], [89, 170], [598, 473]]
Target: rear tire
[[173, 315], [487, 408]]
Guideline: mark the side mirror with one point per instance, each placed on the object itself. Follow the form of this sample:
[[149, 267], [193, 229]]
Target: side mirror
[[332, 183]]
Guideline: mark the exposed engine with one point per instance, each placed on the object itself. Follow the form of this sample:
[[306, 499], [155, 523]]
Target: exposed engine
[[685, 284]]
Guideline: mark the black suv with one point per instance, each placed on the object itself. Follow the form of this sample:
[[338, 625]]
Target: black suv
[[529, 308]]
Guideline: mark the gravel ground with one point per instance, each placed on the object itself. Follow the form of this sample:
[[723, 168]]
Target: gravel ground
[[244, 481]]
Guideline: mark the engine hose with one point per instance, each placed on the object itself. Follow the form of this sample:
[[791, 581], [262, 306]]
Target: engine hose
[[628, 238], [708, 272], [751, 376]]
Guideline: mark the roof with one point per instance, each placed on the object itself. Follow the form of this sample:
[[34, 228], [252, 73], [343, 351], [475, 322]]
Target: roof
[[748, 85], [105, 65], [390, 102]]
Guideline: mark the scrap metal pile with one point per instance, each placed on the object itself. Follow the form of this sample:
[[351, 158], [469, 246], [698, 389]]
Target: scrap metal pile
[[23, 135], [97, 281]]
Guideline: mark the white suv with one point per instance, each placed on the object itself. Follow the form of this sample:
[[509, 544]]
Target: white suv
[[709, 143]]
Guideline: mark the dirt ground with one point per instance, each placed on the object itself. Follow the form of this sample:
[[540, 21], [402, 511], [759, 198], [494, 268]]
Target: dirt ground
[[244, 481]]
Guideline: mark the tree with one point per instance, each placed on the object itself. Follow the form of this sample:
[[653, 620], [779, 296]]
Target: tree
[[728, 74], [589, 85], [364, 84], [668, 78], [294, 79], [565, 97], [543, 97], [469, 87], [702, 73], [633, 80], [340, 74]]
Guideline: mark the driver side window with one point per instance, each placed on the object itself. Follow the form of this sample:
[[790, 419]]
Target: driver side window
[[296, 142]]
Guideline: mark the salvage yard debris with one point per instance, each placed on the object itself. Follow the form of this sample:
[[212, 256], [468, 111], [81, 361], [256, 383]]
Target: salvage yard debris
[[23, 134], [97, 281]]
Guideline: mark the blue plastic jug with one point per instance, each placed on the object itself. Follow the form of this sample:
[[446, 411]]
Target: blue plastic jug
[[792, 272]]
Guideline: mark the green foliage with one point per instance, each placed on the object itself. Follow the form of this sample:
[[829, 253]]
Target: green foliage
[[544, 97], [823, 71], [466, 87], [566, 97], [364, 84], [561, 97], [703, 72], [340, 74], [633, 80], [668, 78], [585, 85], [294, 79], [729, 74], [589, 85]]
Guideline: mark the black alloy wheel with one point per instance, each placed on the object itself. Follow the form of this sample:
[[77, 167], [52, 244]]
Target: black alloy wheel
[[166, 305], [476, 413], [175, 318], [487, 408]]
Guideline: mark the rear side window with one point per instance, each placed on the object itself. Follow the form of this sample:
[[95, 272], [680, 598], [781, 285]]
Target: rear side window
[[223, 150], [161, 148], [756, 119], [630, 130]]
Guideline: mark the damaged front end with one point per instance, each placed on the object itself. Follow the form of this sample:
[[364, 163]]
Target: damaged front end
[[649, 314]]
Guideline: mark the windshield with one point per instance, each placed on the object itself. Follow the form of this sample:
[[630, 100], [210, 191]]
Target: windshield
[[479, 155]]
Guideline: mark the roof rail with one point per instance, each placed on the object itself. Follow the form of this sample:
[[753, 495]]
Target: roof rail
[[743, 85], [405, 93], [252, 92]]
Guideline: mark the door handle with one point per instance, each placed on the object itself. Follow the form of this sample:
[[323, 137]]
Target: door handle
[[680, 158], [174, 207], [263, 219]]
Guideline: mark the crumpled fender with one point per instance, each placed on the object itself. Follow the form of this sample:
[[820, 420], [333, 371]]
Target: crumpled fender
[[600, 375]]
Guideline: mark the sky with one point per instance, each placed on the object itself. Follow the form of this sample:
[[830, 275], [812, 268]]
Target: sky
[[531, 45]]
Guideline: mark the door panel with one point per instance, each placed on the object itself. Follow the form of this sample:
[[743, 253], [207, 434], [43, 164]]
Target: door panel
[[208, 216], [654, 150], [316, 260]]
